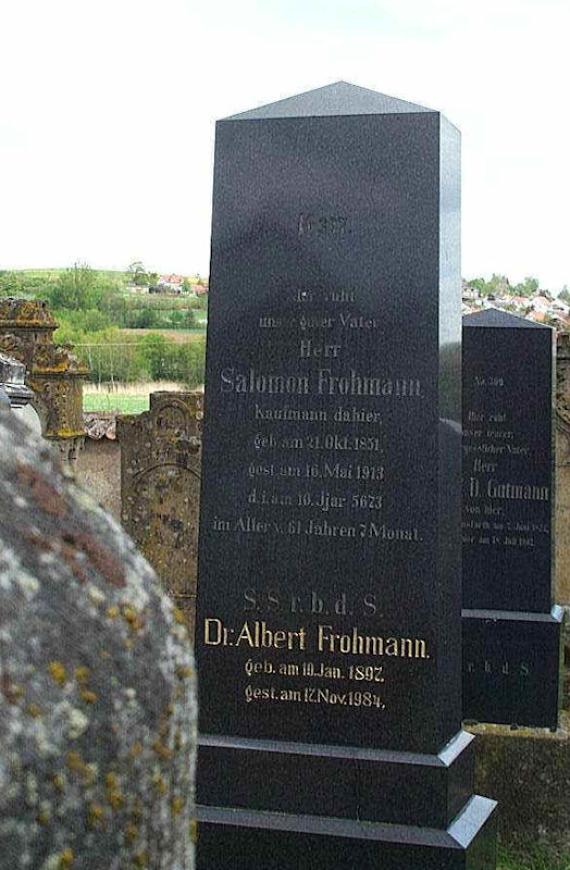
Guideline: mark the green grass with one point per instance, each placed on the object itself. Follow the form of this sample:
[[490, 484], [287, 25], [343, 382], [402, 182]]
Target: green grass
[[53, 274], [180, 336], [536, 858], [124, 404]]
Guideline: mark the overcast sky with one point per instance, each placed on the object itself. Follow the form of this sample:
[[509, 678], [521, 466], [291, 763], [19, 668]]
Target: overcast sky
[[108, 109]]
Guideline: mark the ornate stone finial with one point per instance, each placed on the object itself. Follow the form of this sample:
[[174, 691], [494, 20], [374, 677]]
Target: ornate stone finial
[[53, 373], [97, 704], [29, 313], [12, 375]]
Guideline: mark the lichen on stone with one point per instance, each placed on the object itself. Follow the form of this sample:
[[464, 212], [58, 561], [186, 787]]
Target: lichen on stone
[[97, 695]]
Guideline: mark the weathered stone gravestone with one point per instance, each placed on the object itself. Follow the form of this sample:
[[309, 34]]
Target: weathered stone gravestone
[[329, 615], [160, 489], [53, 373], [99, 462], [511, 627], [97, 707]]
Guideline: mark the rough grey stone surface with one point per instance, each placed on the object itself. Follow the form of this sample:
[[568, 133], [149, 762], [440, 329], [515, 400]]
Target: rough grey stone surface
[[97, 709], [528, 772]]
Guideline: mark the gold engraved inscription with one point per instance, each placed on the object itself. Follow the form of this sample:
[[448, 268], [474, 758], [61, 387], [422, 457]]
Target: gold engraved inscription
[[257, 634]]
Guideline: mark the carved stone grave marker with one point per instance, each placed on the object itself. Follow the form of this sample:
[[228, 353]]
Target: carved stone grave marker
[[52, 372], [160, 488], [329, 614], [511, 627]]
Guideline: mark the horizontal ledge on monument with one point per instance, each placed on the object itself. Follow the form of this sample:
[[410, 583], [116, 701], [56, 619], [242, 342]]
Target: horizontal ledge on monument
[[352, 783], [444, 758], [556, 614], [458, 835]]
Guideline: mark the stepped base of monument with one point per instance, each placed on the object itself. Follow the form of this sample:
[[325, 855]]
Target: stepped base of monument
[[237, 839], [405, 788], [511, 667], [275, 805]]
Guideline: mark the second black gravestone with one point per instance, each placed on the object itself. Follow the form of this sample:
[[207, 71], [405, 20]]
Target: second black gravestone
[[328, 626], [511, 628]]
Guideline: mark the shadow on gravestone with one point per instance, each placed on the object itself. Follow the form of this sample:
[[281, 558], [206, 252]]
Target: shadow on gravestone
[[160, 489], [97, 705]]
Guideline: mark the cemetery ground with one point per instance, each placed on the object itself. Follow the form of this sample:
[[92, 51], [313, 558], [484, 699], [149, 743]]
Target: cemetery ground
[[532, 858]]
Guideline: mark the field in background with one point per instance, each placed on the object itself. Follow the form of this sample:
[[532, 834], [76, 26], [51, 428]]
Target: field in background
[[118, 404], [53, 274], [124, 398], [180, 336], [121, 335]]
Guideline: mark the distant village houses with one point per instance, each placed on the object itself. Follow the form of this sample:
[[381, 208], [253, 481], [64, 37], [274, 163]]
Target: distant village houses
[[175, 285], [171, 283], [541, 306]]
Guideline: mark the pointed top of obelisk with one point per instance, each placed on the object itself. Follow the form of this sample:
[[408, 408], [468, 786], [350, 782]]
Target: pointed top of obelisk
[[340, 98], [502, 319]]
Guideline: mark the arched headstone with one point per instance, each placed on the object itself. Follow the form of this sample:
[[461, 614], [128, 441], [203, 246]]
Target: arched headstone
[[160, 488]]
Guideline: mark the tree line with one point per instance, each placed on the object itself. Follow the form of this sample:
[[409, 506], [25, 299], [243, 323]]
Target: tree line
[[499, 285], [93, 308]]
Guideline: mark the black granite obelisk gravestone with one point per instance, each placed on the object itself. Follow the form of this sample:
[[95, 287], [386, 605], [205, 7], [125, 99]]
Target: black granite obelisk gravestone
[[511, 628], [328, 628]]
